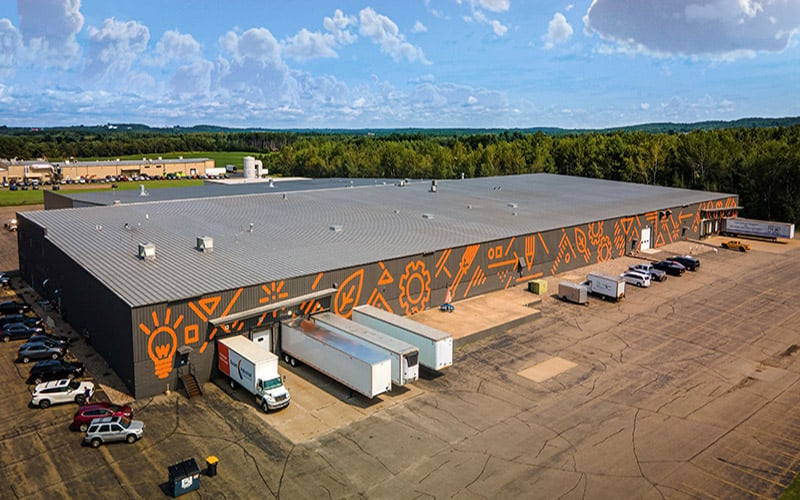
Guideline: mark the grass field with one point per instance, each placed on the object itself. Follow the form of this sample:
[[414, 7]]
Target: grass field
[[30, 197]]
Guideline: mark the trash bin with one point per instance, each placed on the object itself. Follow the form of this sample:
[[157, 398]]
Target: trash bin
[[211, 466], [539, 286], [184, 477]]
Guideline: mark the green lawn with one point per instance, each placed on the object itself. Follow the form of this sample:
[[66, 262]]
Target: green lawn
[[35, 197]]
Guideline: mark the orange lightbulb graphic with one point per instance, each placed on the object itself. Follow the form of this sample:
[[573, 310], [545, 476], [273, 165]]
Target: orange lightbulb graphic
[[162, 343], [162, 351]]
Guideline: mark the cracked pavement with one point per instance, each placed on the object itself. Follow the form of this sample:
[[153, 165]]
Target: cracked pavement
[[689, 389]]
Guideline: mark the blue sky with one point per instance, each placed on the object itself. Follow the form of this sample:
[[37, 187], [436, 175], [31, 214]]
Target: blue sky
[[411, 63]]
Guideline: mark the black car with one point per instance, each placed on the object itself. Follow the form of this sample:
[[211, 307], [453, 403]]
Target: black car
[[20, 318], [13, 331], [688, 262], [670, 267], [46, 338], [54, 369], [11, 307]]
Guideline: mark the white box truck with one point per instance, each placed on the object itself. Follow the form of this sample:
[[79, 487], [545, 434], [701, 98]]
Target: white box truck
[[752, 227], [254, 368], [404, 356], [605, 286], [435, 346], [364, 369]]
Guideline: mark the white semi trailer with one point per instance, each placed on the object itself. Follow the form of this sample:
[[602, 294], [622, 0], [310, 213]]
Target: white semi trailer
[[435, 346], [404, 356], [365, 369], [740, 226], [254, 368]]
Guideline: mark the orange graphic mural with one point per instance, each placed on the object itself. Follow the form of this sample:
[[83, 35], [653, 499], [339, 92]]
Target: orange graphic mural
[[162, 343], [274, 291], [349, 294], [415, 287]]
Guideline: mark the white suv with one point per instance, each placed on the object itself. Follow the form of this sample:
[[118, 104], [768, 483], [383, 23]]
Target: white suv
[[636, 278], [61, 391]]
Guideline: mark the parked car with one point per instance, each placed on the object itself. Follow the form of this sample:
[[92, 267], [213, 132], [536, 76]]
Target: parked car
[[14, 331], [736, 245], [85, 414], [61, 391], [20, 318], [670, 267], [44, 338], [40, 350], [110, 429], [636, 278], [689, 262], [11, 307], [11, 224], [5, 281], [54, 369], [655, 274]]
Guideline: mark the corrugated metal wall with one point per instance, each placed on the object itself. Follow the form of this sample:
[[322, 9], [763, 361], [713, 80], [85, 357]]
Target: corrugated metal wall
[[144, 341]]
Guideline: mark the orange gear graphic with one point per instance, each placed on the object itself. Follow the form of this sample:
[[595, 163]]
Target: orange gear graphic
[[415, 287]]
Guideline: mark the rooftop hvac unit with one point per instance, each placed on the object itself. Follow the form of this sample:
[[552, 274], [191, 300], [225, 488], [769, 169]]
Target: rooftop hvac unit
[[147, 251], [205, 243]]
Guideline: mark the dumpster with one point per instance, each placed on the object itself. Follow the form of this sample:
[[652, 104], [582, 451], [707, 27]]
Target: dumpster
[[184, 477], [539, 287], [211, 466]]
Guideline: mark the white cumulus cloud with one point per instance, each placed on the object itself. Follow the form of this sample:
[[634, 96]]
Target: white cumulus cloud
[[338, 26], [10, 42], [496, 5], [307, 45], [419, 27], [498, 28], [558, 31], [48, 29], [176, 46], [718, 28], [115, 45], [384, 32]]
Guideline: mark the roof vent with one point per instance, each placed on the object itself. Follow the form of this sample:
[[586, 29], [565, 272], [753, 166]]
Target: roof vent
[[402, 183], [427, 216], [513, 205], [433, 186], [336, 228], [147, 251], [205, 244]]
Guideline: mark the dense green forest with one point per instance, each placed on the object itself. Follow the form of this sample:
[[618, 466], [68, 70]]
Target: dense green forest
[[761, 163]]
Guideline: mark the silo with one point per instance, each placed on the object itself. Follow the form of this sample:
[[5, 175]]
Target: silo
[[249, 167]]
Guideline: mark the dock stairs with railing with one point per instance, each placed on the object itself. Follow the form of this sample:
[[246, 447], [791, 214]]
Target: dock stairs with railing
[[191, 385]]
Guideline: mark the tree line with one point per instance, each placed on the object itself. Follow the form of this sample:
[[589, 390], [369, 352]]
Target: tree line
[[762, 165]]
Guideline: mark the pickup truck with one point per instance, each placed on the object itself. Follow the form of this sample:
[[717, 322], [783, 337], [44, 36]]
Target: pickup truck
[[735, 245]]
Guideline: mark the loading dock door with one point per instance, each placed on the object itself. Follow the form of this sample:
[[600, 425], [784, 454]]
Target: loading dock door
[[645, 238]]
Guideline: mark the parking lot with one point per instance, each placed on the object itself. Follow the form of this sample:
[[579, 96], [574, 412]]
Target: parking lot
[[688, 389]]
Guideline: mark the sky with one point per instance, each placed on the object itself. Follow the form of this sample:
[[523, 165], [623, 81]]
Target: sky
[[392, 64]]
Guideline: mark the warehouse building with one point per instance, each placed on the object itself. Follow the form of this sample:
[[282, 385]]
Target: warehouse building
[[155, 283], [46, 172]]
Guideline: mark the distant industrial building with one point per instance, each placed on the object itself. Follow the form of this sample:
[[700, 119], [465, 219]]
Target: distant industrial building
[[45, 171], [157, 282]]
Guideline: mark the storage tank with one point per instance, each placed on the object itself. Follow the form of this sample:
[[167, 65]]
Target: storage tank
[[249, 167]]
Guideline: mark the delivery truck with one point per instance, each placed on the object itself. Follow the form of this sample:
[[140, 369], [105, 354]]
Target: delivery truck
[[604, 286], [251, 366], [573, 292], [404, 356], [364, 369], [435, 346], [738, 226]]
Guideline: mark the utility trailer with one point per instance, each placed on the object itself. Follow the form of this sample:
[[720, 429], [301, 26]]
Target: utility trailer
[[605, 286], [435, 346], [573, 292], [404, 356], [365, 369]]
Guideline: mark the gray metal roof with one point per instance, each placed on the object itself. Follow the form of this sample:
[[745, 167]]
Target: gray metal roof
[[109, 196], [292, 236]]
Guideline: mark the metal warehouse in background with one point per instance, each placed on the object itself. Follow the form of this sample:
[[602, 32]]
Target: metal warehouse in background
[[156, 280]]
